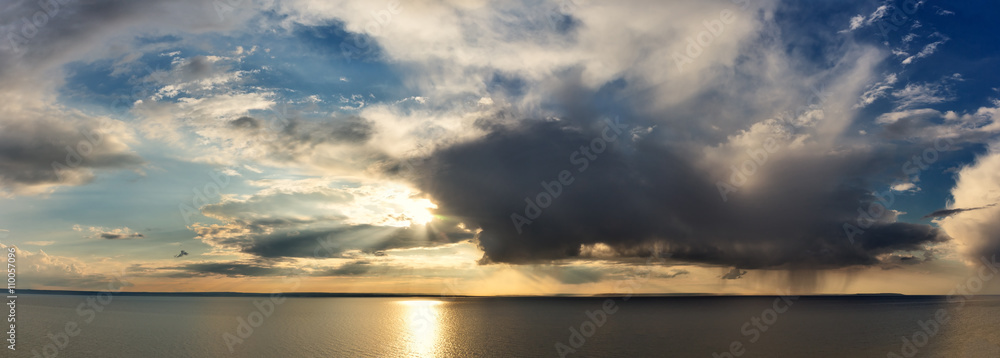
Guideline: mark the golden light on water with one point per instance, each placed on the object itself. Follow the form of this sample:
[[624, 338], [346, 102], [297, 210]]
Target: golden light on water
[[423, 327]]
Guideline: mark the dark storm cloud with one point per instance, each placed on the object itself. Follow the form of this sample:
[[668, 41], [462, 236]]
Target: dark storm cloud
[[949, 212], [42, 151], [643, 192]]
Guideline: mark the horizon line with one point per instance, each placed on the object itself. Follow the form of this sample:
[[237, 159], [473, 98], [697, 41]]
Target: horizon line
[[425, 295]]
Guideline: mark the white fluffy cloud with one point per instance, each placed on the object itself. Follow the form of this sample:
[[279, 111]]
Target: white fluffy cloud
[[977, 187]]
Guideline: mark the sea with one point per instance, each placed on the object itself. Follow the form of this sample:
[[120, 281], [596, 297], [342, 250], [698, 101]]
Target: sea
[[49, 325]]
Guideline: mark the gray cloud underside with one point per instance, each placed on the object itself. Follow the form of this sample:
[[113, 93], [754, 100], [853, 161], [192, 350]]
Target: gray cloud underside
[[639, 194], [330, 243], [34, 152]]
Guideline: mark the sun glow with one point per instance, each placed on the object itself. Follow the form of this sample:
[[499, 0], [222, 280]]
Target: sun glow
[[419, 212], [387, 205]]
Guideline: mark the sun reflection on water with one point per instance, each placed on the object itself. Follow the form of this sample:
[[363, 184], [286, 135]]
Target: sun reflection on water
[[423, 325]]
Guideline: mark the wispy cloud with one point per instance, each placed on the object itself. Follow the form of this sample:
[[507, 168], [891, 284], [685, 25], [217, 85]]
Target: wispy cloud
[[949, 212], [109, 233], [928, 49], [916, 95]]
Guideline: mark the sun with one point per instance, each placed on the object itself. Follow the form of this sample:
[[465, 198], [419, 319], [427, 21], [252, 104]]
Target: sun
[[419, 211]]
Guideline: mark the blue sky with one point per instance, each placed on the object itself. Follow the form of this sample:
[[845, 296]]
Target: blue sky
[[394, 147]]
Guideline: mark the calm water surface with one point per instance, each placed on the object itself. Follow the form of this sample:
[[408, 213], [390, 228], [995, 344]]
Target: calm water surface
[[132, 326]]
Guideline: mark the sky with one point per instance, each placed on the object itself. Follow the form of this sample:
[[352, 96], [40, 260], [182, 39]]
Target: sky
[[502, 148]]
